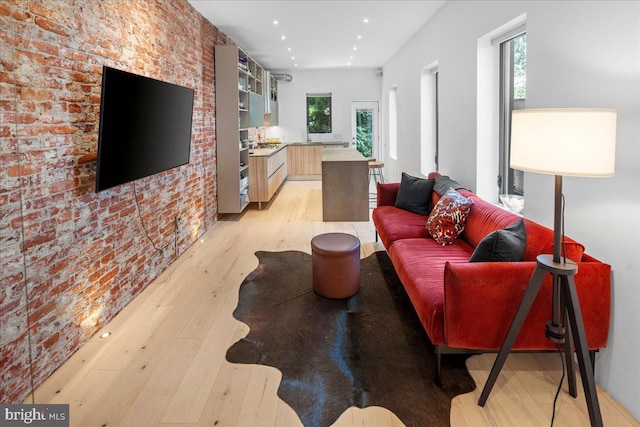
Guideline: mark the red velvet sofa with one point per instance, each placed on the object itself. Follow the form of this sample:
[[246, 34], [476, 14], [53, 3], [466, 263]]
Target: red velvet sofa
[[469, 306]]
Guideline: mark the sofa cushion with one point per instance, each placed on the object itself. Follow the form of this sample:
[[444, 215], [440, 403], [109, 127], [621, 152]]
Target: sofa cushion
[[387, 193], [419, 264], [448, 217], [394, 224], [485, 218], [443, 183], [414, 194], [503, 245]]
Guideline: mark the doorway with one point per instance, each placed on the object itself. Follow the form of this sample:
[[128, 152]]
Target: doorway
[[364, 128]]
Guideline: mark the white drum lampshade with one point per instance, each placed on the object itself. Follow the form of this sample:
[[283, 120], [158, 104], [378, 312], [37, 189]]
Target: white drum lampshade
[[564, 141]]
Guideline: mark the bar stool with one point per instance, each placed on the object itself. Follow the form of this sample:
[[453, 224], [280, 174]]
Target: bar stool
[[375, 171]]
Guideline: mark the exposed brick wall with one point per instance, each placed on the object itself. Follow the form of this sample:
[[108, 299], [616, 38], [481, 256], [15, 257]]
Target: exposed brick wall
[[83, 256]]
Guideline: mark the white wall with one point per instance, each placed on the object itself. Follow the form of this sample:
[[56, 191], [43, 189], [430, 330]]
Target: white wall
[[579, 54], [344, 85]]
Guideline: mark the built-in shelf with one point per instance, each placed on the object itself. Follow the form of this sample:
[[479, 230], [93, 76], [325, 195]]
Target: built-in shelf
[[238, 82]]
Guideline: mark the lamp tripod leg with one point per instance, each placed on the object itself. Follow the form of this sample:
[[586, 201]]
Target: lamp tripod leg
[[533, 287], [582, 350], [568, 350]]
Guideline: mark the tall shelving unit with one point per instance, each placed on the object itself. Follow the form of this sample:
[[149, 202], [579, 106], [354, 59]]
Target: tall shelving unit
[[238, 78]]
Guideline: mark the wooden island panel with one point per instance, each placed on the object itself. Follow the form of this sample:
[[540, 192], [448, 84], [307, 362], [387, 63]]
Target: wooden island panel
[[345, 185]]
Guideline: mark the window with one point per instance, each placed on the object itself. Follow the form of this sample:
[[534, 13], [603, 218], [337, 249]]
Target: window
[[319, 113], [393, 123], [513, 93], [429, 119]]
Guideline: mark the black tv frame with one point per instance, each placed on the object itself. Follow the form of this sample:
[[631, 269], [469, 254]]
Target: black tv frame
[[145, 127]]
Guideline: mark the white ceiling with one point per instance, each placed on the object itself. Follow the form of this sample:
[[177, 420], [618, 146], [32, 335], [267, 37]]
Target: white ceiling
[[321, 34]]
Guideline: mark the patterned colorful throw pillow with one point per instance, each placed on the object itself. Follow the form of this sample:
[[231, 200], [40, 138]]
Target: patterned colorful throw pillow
[[448, 217]]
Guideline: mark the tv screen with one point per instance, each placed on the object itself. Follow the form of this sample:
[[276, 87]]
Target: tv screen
[[145, 127]]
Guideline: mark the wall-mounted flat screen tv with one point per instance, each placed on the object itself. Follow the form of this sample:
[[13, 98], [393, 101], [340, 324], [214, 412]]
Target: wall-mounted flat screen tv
[[145, 127]]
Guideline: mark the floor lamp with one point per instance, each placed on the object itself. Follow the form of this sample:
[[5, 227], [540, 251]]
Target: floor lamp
[[560, 142]]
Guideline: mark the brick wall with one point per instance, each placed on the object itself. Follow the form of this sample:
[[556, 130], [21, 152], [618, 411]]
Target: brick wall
[[78, 256]]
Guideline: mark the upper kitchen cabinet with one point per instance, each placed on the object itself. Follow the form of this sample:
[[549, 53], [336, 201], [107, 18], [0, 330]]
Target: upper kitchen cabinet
[[256, 110]]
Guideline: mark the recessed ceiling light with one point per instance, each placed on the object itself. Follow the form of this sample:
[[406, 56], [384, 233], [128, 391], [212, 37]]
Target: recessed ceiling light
[[105, 335], [293, 57], [359, 37], [355, 48], [365, 20], [295, 65], [351, 57], [282, 37], [289, 49], [348, 63], [275, 22]]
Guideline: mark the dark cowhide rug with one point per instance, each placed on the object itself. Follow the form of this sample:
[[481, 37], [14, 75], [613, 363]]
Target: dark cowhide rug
[[367, 350]]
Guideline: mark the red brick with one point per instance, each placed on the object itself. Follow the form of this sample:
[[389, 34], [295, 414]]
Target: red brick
[[46, 47], [87, 158], [51, 26], [61, 130], [26, 57], [56, 268], [43, 311], [51, 341], [110, 275], [36, 94], [62, 186], [39, 239], [20, 15], [26, 118]]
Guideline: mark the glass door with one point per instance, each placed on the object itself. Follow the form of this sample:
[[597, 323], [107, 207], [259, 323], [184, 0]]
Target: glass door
[[364, 128]]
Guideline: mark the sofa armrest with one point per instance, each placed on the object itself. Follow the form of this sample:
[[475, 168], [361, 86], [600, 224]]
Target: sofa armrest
[[481, 300], [387, 193]]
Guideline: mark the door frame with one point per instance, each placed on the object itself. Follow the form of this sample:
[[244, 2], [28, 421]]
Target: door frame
[[375, 106]]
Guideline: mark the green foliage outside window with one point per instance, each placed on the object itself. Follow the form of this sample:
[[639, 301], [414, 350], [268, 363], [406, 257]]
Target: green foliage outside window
[[319, 114], [520, 67], [364, 132]]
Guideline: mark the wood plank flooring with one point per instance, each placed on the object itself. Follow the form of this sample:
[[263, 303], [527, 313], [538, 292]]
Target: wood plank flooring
[[164, 364]]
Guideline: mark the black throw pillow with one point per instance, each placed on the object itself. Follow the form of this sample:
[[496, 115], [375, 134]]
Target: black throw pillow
[[502, 245], [443, 183], [414, 194]]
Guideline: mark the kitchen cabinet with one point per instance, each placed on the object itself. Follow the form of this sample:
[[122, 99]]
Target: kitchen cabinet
[[304, 160], [256, 110], [275, 117], [268, 173]]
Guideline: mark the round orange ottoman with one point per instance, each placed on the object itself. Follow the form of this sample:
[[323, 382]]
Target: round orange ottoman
[[336, 265]]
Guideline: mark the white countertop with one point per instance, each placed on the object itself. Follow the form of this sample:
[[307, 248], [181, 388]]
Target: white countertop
[[266, 152], [342, 155]]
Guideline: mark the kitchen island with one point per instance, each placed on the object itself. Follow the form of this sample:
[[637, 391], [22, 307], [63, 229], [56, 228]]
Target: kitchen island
[[345, 185]]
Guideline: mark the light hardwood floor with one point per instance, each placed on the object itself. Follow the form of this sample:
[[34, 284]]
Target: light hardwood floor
[[164, 364]]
